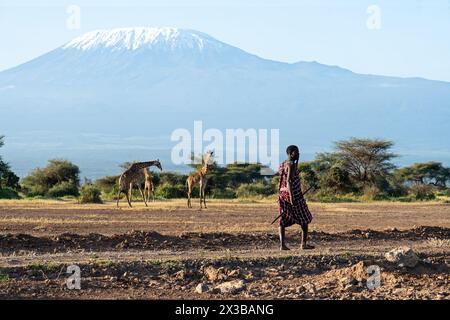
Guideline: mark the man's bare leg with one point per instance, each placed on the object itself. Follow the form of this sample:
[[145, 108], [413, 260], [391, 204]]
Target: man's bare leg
[[304, 244], [282, 237]]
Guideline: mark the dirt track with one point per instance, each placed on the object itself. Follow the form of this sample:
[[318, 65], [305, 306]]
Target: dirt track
[[134, 253]]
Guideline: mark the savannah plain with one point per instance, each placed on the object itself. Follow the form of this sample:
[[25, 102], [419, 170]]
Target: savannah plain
[[165, 250]]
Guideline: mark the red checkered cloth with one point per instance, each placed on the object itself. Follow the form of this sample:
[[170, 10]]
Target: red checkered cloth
[[299, 212]]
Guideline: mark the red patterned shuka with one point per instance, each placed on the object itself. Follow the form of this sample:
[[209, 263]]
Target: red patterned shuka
[[299, 212]]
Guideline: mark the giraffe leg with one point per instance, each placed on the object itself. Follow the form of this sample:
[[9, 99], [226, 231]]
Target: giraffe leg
[[145, 193], [128, 199], [118, 197], [143, 197], [189, 195], [130, 191], [189, 200], [201, 194]]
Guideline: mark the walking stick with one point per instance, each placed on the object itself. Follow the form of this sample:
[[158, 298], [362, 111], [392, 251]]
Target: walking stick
[[279, 216]]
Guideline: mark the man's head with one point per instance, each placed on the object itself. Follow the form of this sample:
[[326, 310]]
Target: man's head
[[293, 152]]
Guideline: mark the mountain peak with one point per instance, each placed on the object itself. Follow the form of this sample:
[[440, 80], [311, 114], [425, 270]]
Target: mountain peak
[[142, 37]]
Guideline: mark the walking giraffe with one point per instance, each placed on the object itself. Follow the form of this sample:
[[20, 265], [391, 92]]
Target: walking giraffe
[[132, 174], [199, 177]]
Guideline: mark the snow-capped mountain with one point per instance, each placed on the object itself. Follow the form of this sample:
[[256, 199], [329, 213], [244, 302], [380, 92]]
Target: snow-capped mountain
[[150, 81], [148, 38], [129, 53]]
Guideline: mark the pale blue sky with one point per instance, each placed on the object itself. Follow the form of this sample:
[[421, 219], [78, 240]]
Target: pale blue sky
[[414, 39]]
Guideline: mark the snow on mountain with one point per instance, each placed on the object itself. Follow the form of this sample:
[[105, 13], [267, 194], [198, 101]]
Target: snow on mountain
[[140, 37]]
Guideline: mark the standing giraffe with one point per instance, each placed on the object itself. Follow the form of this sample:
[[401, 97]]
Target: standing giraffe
[[148, 186], [132, 174], [199, 177]]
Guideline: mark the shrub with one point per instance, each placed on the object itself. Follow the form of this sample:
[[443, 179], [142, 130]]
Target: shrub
[[65, 188], [108, 184], [371, 193], [168, 191], [227, 193], [59, 178], [7, 193], [327, 195], [422, 192], [90, 194], [254, 189]]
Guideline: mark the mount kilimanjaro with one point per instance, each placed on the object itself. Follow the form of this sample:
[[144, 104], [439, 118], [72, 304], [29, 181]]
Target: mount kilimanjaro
[[149, 81]]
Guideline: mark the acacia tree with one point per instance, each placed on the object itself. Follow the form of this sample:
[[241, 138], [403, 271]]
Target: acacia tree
[[431, 173], [366, 160], [7, 177], [58, 178]]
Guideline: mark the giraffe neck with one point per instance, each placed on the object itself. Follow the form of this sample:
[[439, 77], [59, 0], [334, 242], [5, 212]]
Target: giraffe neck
[[204, 169], [143, 165]]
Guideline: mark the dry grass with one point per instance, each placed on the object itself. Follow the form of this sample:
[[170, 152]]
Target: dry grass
[[231, 216], [438, 243]]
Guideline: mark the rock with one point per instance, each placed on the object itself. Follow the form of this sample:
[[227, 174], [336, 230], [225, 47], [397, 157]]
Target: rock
[[348, 281], [299, 289], [231, 286], [403, 257], [311, 288], [213, 274], [359, 272], [234, 273], [350, 287], [180, 275], [201, 288]]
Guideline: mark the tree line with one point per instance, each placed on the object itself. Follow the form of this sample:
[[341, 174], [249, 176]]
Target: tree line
[[357, 169]]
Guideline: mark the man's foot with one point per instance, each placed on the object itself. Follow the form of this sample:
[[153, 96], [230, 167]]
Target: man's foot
[[283, 247], [306, 247]]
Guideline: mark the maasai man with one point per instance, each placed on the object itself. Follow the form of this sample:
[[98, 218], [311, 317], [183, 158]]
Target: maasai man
[[292, 204]]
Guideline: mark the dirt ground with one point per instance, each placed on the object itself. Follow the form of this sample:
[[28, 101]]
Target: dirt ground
[[165, 251]]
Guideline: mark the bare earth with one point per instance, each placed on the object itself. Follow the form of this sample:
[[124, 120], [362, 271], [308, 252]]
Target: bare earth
[[166, 250]]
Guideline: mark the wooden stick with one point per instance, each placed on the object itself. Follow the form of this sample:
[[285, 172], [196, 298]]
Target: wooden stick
[[279, 216]]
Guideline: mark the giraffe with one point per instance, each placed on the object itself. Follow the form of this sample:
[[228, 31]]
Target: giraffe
[[138, 182], [149, 188], [199, 177], [132, 174]]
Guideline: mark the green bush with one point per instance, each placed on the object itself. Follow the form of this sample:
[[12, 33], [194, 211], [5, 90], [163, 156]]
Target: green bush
[[405, 199], [90, 194], [227, 193], [446, 192], [372, 193], [7, 193], [108, 184], [422, 192], [57, 179], [65, 188], [330, 198], [168, 191], [260, 189]]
